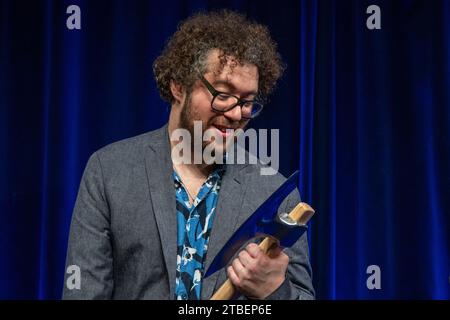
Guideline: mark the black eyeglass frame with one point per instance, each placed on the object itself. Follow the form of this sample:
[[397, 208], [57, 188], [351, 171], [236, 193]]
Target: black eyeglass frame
[[240, 102]]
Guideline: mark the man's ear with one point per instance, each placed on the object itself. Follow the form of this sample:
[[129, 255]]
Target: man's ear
[[178, 92]]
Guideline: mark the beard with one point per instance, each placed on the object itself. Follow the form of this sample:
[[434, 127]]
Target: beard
[[187, 117]]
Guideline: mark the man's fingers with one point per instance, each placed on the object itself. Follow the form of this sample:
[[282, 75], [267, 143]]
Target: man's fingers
[[245, 258], [275, 251], [254, 250], [233, 276], [238, 267]]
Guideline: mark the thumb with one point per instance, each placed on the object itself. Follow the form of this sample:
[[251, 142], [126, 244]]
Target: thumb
[[275, 251]]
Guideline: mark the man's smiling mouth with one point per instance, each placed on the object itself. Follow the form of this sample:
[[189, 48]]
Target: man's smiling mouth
[[224, 131]]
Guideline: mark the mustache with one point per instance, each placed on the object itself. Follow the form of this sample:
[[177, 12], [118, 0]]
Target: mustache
[[228, 125]]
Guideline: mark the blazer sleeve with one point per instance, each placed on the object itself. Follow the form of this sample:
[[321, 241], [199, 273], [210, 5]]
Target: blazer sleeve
[[89, 247], [298, 284]]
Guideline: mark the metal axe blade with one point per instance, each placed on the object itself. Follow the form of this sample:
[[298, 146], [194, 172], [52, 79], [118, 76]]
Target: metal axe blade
[[263, 222]]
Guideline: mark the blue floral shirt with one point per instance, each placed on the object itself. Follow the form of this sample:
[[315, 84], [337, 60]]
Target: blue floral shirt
[[194, 224]]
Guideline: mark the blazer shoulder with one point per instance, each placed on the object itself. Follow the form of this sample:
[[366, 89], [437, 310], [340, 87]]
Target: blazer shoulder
[[259, 173], [131, 148], [267, 184]]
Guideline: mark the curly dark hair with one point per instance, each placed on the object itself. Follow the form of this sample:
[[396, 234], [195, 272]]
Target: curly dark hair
[[184, 56]]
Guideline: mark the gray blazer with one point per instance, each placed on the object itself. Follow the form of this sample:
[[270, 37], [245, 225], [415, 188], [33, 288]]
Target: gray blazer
[[123, 234]]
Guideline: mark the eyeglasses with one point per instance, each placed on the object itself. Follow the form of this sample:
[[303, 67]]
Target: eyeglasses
[[223, 102]]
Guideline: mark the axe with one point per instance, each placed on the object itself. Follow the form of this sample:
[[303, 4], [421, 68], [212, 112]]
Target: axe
[[278, 229]]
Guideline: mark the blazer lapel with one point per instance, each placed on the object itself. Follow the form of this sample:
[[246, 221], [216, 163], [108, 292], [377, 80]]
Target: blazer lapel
[[229, 204], [158, 165]]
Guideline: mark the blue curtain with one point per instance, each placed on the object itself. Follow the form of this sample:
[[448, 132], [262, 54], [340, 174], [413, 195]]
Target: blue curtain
[[377, 139], [364, 115]]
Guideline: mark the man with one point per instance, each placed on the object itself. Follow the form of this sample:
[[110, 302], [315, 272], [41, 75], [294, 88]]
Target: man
[[146, 225]]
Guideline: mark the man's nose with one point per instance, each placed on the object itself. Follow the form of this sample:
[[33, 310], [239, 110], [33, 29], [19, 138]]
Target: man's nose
[[234, 114]]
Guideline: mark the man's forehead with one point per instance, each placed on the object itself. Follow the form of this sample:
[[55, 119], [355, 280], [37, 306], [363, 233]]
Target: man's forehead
[[232, 66], [232, 71]]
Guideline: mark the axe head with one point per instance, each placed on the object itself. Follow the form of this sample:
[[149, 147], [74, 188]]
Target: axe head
[[265, 221]]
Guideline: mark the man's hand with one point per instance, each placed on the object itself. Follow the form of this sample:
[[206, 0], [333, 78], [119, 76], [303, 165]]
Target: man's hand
[[256, 274]]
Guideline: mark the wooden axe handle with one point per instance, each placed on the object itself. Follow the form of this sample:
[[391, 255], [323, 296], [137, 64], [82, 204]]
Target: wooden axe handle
[[301, 213]]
